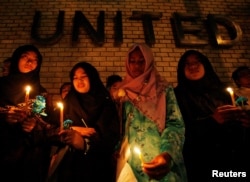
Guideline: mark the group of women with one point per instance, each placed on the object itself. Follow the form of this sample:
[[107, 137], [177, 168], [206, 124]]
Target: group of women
[[195, 120]]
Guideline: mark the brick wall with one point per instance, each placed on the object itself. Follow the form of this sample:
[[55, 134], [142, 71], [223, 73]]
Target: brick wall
[[16, 18]]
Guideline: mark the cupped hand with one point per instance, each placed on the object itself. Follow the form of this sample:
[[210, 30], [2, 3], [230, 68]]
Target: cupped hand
[[158, 167], [87, 132], [16, 115], [72, 138], [28, 124], [227, 113]]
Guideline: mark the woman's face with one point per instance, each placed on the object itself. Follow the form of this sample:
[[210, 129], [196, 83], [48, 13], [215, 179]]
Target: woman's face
[[194, 69], [81, 81], [244, 78], [136, 63], [114, 88], [27, 62]]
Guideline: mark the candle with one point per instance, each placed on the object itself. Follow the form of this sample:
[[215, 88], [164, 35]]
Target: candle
[[231, 92], [60, 105], [137, 150], [27, 88]]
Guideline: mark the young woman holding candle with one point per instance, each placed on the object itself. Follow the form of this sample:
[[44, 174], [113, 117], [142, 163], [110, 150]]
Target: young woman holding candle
[[94, 132], [153, 125], [215, 136], [21, 155]]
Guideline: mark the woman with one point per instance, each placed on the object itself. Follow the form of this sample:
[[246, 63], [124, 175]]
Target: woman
[[22, 156], [152, 122], [94, 132], [215, 137]]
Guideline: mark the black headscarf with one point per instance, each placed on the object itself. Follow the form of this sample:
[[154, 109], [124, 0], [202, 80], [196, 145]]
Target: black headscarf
[[12, 87], [210, 80], [202, 96], [98, 111], [88, 105]]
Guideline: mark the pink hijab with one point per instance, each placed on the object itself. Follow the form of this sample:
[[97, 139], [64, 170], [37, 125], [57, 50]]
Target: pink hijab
[[147, 91]]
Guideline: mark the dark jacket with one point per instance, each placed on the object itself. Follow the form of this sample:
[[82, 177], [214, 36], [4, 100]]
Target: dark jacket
[[208, 145], [99, 112]]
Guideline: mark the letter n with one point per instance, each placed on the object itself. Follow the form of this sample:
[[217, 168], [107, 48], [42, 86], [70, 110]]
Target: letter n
[[81, 21]]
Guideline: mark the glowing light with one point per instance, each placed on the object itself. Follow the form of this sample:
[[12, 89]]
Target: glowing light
[[60, 105], [231, 92], [138, 151]]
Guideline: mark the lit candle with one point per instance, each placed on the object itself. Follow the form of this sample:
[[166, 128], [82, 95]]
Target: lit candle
[[60, 105], [27, 88], [137, 150], [231, 92]]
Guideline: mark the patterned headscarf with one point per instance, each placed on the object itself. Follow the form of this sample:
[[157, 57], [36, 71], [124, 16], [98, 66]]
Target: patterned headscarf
[[147, 91]]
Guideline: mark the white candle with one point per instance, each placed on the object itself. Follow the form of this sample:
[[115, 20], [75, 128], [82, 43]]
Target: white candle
[[137, 150], [231, 92], [27, 88], [60, 105]]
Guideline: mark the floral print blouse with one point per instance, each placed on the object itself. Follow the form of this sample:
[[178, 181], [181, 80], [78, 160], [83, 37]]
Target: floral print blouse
[[144, 134]]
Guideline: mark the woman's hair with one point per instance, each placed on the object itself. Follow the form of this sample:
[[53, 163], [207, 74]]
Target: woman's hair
[[112, 79], [19, 52], [236, 75], [63, 85]]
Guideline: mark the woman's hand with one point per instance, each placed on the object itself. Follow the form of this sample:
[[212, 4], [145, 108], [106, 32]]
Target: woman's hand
[[158, 167], [28, 124], [16, 115], [86, 132], [227, 113], [72, 138]]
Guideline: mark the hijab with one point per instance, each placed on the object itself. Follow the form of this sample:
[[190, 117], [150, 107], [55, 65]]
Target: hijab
[[87, 106], [210, 80], [149, 86], [204, 95], [12, 87]]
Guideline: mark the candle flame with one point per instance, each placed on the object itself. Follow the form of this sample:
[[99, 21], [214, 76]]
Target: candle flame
[[59, 104], [28, 88], [230, 90], [137, 150]]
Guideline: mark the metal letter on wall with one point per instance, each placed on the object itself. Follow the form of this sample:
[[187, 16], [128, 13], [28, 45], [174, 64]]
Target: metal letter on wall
[[181, 30], [118, 28], [96, 36], [147, 18], [49, 40], [234, 30]]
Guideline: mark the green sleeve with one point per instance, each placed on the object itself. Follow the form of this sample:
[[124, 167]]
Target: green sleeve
[[173, 135]]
